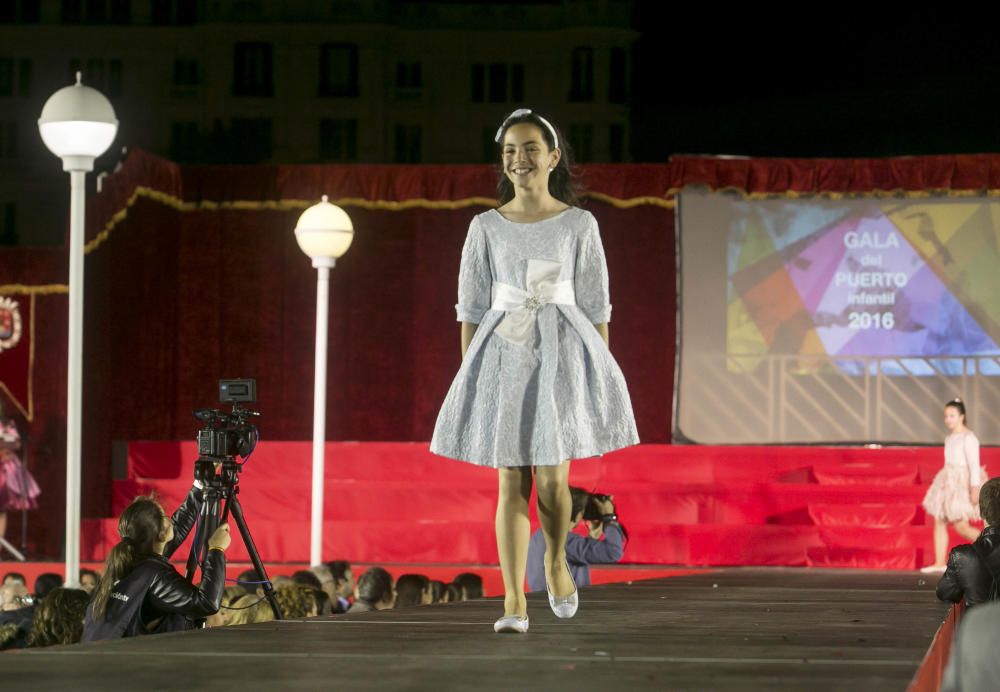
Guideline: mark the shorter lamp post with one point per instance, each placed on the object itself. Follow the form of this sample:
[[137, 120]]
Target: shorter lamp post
[[77, 124], [324, 232]]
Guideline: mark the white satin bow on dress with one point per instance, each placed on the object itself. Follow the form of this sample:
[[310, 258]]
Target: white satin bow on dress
[[542, 286]]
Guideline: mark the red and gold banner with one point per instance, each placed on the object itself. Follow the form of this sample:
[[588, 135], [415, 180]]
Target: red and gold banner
[[17, 350]]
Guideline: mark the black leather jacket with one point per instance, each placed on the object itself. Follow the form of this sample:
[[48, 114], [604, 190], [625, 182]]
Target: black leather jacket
[[966, 574], [154, 597]]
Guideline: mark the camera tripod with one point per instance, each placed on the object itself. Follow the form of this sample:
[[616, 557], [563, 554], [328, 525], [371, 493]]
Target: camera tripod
[[220, 492]]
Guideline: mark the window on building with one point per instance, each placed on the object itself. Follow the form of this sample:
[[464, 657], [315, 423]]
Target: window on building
[[31, 11], [15, 77], [408, 75], [338, 70], [8, 139], [582, 139], [478, 83], [582, 74], [184, 141], [407, 144], [96, 11], [116, 80], [6, 76], [8, 232], [618, 77], [185, 72], [252, 70], [161, 12], [498, 83], [187, 12], [8, 12], [616, 143], [121, 11], [24, 77], [94, 74], [338, 139], [72, 11], [517, 83], [251, 139]]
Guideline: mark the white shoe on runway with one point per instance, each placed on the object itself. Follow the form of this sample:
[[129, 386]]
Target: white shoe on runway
[[934, 569], [564, 606], [511, 623]]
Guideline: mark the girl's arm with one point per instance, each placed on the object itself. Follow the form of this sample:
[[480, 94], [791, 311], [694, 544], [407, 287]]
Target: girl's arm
[[602, 329], [468, 331]]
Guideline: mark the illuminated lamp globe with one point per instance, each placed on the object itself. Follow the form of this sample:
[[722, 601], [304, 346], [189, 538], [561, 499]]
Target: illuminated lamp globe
[[78, 124], [324, 232]]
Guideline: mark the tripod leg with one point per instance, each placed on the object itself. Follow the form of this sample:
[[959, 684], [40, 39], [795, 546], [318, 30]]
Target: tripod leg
[[206, 524], [241, 523]]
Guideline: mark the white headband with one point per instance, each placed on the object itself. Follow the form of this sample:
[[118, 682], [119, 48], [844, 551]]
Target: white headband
[[527, 111]]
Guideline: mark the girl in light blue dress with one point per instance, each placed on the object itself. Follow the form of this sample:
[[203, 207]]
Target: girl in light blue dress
[[538, 385]]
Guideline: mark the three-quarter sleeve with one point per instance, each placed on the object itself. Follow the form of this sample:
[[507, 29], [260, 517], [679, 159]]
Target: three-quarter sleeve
[[970, 446], [590, 281], [475, 278]]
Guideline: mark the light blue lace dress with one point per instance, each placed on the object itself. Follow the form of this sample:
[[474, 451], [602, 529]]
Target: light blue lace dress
[[537, 385]]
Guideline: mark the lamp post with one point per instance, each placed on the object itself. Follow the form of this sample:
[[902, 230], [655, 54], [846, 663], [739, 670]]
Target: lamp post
[[324, 232], [77, 124]]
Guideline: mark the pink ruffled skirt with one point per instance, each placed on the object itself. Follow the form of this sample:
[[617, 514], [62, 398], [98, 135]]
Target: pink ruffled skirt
[[948, 497], [18, 489]]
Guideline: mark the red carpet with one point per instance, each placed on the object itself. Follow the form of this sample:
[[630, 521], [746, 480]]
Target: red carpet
[[700, 506]]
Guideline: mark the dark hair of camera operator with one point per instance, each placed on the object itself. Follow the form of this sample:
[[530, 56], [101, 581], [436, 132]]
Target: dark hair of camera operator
[[140, 592], [582, 551], [59, 617], [973, 570]]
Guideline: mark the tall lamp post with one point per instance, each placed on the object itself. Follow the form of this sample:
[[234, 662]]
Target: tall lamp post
[[77, 124], [324, 232]]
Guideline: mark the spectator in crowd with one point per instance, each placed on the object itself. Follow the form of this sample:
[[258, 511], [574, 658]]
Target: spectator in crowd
[[974, 665], [297, 600], [249, 608], [973, 570], [413, 589], [437, 591], [230, 594], [452, 594], [88, 580], [45, 583], [14, 576], [328, 586], [374, 591], [581, 551], [140, 592], [343, 585], [469, 586], [248, 581], [307, 578], [59, 617], [17, 612]]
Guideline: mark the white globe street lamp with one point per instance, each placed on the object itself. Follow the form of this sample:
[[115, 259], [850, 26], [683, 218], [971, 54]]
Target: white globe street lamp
[[324, 232], [77, 124]]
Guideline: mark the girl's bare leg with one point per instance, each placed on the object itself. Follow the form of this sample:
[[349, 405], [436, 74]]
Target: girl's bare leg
[[966, 531], [555, 506], [940, 541], [513, 533]]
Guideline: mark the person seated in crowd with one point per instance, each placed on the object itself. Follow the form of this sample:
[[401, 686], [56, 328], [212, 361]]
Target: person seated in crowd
[[297, 600], [307, 578], [248, 581], [329, 588], [469, 586], [88, 580], [14, 576], [973, 665], [343, 585], [45, 583], [973, 570], [413, 590], [229, 595], [140, 592], [452, 594], [437, 590], [581, 551], [249, 608], [17, 613], [59, 617], [374, 591]]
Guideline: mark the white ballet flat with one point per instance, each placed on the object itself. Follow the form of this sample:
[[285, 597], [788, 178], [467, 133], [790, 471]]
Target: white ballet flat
[[511, 623], [933, 569], [564, 606]]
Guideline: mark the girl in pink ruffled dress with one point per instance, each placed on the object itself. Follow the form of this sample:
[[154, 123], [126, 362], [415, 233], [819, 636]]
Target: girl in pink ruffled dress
[[953, 497], [18, 489]]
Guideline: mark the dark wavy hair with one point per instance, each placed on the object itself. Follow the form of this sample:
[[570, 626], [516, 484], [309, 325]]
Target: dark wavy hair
[[562, 180], [59, 617], [139, 526], [958, 405]]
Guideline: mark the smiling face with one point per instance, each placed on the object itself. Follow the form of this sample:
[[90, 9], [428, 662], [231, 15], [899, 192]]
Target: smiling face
[[953, 418], [527, 157]]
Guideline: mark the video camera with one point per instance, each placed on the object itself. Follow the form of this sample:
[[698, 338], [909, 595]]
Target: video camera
[[227, 435]]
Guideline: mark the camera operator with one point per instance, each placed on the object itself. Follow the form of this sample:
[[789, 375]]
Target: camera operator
[[140, 592], [581, 551]]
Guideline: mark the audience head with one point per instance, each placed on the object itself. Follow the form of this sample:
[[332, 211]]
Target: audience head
[[375, 588], [88, 580], [59, 617], [412, 590], [437, 590], [14, 576], [989, 502], [296, 600], [247, 581], [469, 585], [343, 577], [45, 583], [249, 608], [307, 578], [14, 596], [326, 582], [452, 594], [140, 526]]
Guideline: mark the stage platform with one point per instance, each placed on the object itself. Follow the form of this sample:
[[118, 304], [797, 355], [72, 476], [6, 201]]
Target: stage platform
[[734, 629]]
